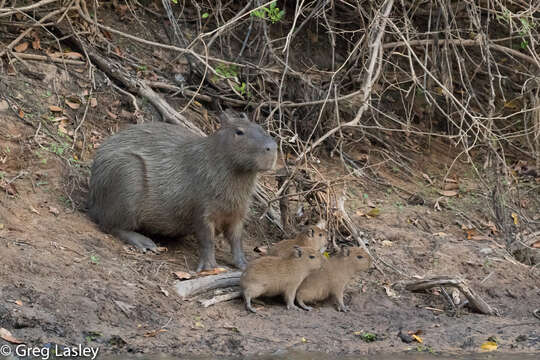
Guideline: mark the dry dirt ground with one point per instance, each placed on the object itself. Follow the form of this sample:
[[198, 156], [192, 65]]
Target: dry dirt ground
[[63, 281]]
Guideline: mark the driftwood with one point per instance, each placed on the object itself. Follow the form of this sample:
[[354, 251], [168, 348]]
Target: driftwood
[[475, 301], [192, 287], [220, 298]]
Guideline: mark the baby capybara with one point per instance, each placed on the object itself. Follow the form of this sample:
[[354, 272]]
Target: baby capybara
[[314, 237], [158, 178], [332, 278], [272, 275]]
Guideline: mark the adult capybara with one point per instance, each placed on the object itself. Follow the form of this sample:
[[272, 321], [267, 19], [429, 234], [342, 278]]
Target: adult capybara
[[314, 237], [273, 275], [158, 178], [332, 277]]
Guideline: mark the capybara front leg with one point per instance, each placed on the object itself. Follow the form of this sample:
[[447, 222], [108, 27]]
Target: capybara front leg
[[233, 234], [207, 255]]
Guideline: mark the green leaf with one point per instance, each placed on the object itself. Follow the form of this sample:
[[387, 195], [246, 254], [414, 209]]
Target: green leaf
[[94, 259], [205, 15], [174, 1]]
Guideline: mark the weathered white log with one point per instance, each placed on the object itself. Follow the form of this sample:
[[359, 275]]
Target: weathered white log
[[220, 298], [192, 287]]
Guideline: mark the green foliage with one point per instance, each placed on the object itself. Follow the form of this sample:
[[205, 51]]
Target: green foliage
[[93, 336], [41, 156], [271, 13], [65, 200], [227, 71], [242, 88], [368, 337], [525, 29], [58, 149], [94, 259], [428, 349], [205, 15]]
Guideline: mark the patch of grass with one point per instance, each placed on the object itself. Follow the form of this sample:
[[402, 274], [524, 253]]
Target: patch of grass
[[422, 348], [227, 71], [92, 336], [58, 149], [41, 156], [65, 201]]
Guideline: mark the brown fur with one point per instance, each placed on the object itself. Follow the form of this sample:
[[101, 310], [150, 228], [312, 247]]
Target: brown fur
[[332, 278], [314, 237], [272, 275]]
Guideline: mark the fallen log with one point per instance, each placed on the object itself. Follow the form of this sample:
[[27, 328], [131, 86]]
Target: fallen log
[[475, 301], [192, 287], [220, 298]]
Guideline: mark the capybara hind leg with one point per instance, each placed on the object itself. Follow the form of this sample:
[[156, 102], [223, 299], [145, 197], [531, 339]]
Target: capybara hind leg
[[140, 241], [247, 300]]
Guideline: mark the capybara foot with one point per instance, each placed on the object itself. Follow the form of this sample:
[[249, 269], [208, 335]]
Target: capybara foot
[[249, 307], [342, 308], [304, 306], [206, 264], [292, 307], [240, 262], [139, 241]]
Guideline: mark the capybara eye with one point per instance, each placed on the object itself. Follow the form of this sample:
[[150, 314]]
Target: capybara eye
[[239, 132], [311, 257], [360, 257], [320, 234]]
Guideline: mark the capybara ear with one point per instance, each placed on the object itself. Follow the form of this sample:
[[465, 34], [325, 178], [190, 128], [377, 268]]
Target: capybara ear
[[321, 224], [346, 251], [226, 118], [244, 116], [298, 251]]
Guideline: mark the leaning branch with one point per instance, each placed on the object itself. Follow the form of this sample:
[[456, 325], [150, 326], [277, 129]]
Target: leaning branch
[[474, 300], [464, 42]]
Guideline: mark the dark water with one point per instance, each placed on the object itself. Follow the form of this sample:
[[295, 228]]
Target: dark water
[[323, 356]]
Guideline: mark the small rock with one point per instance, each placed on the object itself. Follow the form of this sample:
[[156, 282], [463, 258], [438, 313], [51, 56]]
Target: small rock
[[486, 251], [406, 338], [4, 106]]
